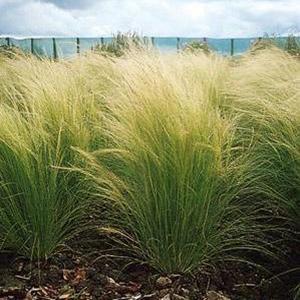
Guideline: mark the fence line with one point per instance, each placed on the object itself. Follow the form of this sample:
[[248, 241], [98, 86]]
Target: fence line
[[224, 46]]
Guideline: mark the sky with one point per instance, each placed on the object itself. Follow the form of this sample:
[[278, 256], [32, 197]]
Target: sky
[[186, 18]]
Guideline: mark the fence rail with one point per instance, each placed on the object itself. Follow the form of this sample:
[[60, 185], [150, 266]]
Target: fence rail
[[68, 47]]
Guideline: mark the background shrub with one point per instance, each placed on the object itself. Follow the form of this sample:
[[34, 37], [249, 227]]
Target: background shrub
[[197, 46], [121, 44]]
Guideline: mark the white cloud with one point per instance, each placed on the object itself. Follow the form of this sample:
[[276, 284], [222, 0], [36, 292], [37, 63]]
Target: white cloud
[[215, 18]]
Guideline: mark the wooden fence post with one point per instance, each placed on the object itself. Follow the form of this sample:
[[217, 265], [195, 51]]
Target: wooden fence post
[[54, 49], [78, 45], [178, 44], [8, 41], [231, 47], [102, 41], [153, 41], [32, 46]]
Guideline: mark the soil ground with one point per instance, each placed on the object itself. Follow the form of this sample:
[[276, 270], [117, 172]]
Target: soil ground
[[74, 275]]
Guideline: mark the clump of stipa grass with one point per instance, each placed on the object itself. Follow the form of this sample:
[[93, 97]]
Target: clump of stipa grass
[[265, 98], [263, 43], [39, 207], [10, 52], [49, 108], [53, 95], [172, 174], [292, 46]]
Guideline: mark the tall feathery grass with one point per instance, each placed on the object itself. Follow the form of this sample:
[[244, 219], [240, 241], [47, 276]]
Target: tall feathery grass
[[266, 100], [46, 109], [265, 97], [172, 173], [186, 151], [38, 207]]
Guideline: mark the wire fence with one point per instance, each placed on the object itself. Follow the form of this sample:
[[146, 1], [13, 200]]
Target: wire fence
[[69, 47]]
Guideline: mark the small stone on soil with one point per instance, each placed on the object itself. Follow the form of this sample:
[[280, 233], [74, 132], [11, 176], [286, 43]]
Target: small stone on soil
[[213, 295], [163, 282]]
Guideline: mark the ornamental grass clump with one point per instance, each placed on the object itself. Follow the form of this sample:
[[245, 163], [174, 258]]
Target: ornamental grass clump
[[265, 100], [172, 174], [292, 46], [46, 109], [39, 210], [187, 152], [54, 95]]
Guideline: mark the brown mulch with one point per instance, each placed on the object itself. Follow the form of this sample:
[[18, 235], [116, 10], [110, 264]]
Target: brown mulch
[[72, 275]]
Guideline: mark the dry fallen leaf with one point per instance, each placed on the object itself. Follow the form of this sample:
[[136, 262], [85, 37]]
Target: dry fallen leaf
[[67, 274], [65, 296], [80, 275], [29, 296], [123, 288]]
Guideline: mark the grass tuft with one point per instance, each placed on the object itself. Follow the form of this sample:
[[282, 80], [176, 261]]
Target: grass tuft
[[173, 174]]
